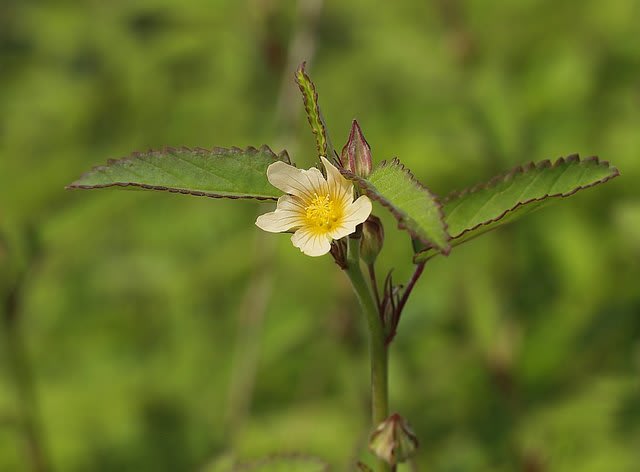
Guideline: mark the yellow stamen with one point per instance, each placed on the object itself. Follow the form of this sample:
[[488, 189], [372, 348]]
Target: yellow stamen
[[321, 213]]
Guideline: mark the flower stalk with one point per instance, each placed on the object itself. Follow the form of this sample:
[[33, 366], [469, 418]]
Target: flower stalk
[[377, 347]]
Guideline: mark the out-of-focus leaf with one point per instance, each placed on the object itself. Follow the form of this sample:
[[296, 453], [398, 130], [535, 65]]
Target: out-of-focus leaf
[[413, 205], [507, 197], [217, 173], [310, 98]]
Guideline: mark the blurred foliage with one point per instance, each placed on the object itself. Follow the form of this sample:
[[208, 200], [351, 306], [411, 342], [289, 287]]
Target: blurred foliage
[[166, 332]]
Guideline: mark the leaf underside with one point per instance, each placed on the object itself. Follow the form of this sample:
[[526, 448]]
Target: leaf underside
[[216, 173], [310, 98], [413, 205], [512, 195]]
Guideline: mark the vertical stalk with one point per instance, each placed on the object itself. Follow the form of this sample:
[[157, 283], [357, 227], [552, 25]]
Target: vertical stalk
[[377, 348]]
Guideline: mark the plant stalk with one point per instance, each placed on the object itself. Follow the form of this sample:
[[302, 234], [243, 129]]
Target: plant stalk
[[377, 348]]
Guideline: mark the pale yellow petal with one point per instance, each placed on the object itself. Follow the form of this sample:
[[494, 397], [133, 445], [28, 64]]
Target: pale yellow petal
[[310, 243], [289, 214], [356, 213], [291, 203], [299, 182], [340, 189]]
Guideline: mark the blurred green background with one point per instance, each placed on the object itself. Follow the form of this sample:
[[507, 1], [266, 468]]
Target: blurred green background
[[165, 332]]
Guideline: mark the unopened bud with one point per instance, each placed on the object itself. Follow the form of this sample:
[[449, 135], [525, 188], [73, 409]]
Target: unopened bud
[[393, 441], [372, 239], [356, 154]]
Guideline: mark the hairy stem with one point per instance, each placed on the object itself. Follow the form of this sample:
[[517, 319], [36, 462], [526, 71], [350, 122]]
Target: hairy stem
[[377, 348]]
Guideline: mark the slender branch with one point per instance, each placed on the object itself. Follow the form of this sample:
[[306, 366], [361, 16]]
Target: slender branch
[[407, 291], [377, 347], [405, 296]]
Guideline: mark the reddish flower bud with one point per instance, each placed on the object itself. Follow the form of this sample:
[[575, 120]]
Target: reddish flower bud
[[356, 154], [393, 441]]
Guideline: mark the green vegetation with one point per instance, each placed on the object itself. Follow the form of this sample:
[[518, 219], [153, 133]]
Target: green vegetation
[[165, 332]]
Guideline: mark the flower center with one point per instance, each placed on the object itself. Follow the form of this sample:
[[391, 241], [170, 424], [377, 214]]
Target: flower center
[[321, 213]]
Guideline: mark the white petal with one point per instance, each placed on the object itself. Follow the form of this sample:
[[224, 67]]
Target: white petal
[[287, 215], [274, 222], [293, 203], [356, 213], [311, 244], [340, 188], [299, 182]]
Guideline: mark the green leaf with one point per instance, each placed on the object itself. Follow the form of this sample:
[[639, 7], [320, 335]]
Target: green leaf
[[507, 197], [216, 173], [310, 98], [293, 463], [413, 205]]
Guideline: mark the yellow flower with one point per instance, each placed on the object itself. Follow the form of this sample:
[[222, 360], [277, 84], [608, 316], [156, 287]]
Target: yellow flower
[[319, 210]]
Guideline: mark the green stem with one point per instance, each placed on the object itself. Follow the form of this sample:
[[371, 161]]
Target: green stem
[[377, 348]]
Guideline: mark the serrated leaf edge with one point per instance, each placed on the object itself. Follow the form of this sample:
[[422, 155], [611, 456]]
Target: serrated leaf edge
[[521, 169], [250, 150], [399, 215]]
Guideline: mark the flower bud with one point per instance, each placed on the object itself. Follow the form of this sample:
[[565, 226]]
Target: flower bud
[[356, 154], [372, 239], [393, 441]]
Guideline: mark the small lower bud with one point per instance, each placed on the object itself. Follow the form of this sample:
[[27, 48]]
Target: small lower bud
[[372, 239], [393, 440]]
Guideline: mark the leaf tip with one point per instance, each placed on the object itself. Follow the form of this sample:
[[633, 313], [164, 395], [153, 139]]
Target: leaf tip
[[300, 75]]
